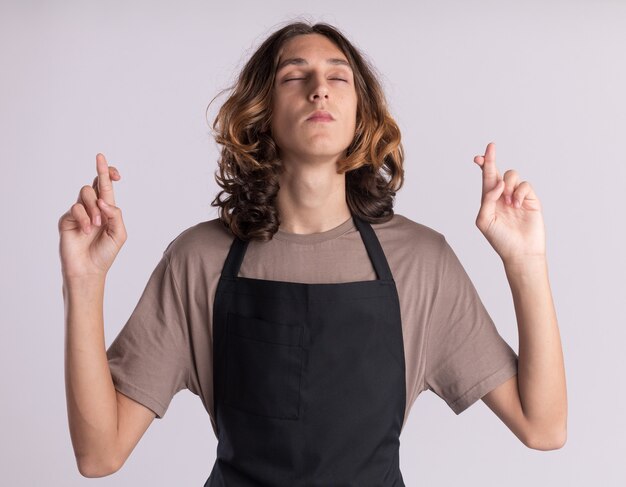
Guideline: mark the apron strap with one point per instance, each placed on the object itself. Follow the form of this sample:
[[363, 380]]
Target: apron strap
[[374, 249], [234, 258]]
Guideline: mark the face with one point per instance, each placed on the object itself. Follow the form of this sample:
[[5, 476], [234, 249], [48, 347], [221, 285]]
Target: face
[[305, 85]]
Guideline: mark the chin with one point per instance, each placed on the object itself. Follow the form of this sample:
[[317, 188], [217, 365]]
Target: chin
[[324, 146]]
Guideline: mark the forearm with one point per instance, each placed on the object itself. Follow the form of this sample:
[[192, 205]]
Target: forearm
[[541, 371], [90, 394]]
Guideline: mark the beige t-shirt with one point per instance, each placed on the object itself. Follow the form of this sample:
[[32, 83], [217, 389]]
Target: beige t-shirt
[[451, 344]]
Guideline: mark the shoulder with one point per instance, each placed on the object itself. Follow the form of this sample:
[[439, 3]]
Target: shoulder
[[207, 240], [402, 234]]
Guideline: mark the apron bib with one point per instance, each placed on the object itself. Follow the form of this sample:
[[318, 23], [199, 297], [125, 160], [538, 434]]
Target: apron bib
[[309, 379]]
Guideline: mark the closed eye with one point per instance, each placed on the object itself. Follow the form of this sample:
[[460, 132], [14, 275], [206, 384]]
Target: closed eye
[[339, 79]]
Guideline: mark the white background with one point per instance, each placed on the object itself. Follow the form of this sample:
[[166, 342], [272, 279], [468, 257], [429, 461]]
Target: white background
[[545, 80]]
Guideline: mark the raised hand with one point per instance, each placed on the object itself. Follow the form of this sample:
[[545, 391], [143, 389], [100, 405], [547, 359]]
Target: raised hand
[[510, 213], [92, 231]]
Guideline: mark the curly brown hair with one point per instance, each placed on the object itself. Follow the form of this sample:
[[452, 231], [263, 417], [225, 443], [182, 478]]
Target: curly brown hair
[[250, 166]]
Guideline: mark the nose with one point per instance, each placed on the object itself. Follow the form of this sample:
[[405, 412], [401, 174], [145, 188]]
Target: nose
[[319, 90], [317, 94]]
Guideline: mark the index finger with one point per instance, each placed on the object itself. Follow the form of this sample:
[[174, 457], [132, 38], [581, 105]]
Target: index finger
[[491, 176], [105, 187]]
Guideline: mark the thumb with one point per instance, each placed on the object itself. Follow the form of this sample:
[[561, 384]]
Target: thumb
[[114, 220]]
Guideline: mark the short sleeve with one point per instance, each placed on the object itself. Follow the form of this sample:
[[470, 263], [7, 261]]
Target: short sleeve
[[465, 355], [149, 358]]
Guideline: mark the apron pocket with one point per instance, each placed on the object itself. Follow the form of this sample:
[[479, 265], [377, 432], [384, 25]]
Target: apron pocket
[[263, 366]]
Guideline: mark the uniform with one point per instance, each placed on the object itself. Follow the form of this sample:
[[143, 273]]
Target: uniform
[[448, 343]]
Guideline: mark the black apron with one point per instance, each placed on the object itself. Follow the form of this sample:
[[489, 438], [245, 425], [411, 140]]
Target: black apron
[[309, 379]]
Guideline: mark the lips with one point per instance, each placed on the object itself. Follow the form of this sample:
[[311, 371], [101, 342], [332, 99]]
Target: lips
[[320, 116]]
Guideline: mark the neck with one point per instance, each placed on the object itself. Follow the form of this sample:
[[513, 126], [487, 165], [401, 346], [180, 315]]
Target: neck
[[312, 198]]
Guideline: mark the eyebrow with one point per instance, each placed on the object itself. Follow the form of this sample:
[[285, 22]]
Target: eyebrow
[[298, 61]]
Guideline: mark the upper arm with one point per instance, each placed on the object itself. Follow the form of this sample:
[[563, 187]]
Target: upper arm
[[505, 402], [149, 359], [465, 356], [133, 419]]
